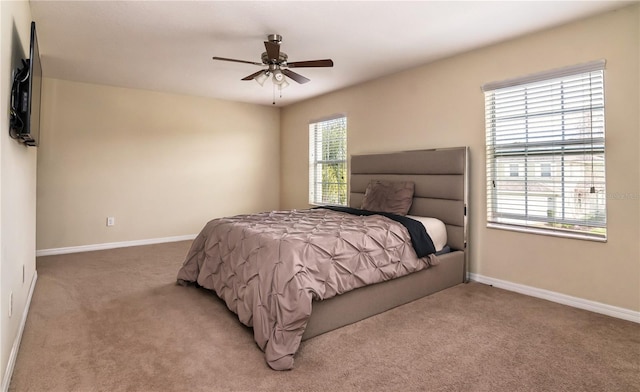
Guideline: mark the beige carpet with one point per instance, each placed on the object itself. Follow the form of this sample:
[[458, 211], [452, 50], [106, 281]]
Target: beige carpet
[[115, 321]]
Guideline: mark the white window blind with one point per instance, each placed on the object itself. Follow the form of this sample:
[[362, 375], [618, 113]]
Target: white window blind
[[328, 161], [550, 126]]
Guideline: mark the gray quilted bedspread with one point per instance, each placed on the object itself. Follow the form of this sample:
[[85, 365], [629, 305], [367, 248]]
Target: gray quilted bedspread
[[269, 267]]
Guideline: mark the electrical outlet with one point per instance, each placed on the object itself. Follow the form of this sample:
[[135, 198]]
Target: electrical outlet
[[111, 221], [10, 303]]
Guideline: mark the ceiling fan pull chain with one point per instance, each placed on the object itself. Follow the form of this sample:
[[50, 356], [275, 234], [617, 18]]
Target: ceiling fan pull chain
[[274, 94]]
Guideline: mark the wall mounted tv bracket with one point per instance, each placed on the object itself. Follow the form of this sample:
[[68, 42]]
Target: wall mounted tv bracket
[[19, 100]]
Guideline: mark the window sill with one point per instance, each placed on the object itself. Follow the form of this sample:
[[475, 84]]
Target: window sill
[[550, 233]]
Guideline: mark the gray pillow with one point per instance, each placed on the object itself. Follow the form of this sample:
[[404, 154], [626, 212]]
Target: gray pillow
[[388, 196]]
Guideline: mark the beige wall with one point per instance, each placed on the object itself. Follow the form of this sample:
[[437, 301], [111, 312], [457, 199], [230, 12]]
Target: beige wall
[[161, 164], [17, 188], [441, 105]]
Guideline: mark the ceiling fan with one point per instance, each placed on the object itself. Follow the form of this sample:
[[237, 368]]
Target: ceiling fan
[[277, 63]]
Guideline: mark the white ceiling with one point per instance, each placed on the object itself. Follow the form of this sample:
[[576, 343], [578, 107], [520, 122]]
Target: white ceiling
[[167, 46]]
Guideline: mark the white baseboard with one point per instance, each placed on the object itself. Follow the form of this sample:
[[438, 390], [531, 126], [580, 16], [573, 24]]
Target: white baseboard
[[580, 303], [16, 342], [111, 245]]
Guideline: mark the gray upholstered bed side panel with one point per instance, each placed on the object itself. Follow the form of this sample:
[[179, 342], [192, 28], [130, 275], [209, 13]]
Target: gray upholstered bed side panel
[[367, 301], [440, 184]]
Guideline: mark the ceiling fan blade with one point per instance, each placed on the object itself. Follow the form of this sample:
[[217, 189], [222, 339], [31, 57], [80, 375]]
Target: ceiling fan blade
[[297, 77], [273, 50], [253, 75], [236, 61], [311, 63]]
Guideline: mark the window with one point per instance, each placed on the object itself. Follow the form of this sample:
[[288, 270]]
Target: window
[[514, 170], [545, 170], [552, 125], [328, 161]]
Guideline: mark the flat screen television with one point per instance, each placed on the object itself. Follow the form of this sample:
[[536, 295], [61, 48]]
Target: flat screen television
[[25, 96]]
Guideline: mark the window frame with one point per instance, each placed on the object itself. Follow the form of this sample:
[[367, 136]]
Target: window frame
[[500, 151], [317, 186]]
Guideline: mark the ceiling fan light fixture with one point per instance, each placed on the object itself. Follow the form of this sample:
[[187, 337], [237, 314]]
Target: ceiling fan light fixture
[[278, 77], [261, 78], [284, 84]]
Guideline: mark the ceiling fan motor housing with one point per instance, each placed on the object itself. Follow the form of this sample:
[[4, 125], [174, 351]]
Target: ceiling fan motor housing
[[282, 59]]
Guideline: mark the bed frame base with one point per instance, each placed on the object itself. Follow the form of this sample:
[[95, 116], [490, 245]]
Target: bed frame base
[[367, 301]]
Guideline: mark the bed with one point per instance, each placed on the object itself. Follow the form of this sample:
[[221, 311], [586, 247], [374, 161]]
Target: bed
[[301, 299]]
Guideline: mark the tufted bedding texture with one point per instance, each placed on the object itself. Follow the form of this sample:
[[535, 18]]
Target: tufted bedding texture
[[268, 267]]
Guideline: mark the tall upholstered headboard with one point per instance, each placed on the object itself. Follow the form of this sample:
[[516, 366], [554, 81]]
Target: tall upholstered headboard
[[441, 184]]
